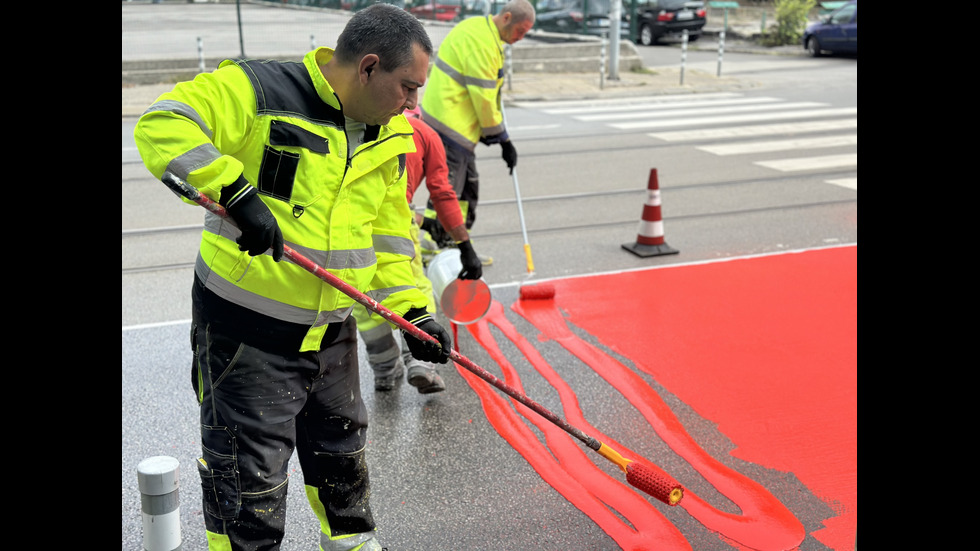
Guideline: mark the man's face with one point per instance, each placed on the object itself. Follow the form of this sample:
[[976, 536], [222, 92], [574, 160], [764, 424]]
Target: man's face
[[391, 93], [513, 32]]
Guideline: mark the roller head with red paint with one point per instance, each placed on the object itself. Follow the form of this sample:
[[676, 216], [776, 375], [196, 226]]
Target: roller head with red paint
[[540, 291], [659, 486]]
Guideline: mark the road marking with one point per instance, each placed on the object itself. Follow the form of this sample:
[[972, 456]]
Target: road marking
[[811, 163], [757, 130], [850, 183], [633, 108], [780, 145], [703, 109], [752, 117], [575, 105], [532, 127]]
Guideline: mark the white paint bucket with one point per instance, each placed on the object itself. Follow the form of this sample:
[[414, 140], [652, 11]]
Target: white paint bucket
[[463, 301]]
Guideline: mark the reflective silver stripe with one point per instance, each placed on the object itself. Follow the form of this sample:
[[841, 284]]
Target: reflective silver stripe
[[333, 316], [351, 259], [380, 295], [394, 245], [441, 128], [200, 156], [230, 292], [355, 542], [355, 259], [493, 130], [464, 80], [182, 109]]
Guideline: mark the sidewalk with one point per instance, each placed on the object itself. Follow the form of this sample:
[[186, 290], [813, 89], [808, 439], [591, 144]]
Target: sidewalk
[[552, 86], [537, 87]]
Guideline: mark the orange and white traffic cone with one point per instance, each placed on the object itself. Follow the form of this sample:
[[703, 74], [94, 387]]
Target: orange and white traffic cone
[[650, 239]]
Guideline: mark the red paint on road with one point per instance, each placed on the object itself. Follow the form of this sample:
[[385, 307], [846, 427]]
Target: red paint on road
[[764, 347]]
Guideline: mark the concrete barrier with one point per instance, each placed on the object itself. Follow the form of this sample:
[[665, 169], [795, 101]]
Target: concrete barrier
[[572, 55]]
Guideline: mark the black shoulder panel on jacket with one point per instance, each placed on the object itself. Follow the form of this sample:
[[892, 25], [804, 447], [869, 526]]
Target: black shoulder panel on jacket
[[285, 87]]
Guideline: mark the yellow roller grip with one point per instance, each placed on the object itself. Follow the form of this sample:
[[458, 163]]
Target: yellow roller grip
[[613, 455], [530, 262]]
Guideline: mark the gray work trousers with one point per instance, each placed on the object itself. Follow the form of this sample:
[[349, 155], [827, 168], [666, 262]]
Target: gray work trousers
[[256, 408]]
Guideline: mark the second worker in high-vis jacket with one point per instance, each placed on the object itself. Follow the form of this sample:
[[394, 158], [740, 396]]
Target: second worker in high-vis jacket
[[462, 98]]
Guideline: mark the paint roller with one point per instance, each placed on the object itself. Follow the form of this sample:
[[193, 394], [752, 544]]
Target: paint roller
[[660, 486], [540, 291]]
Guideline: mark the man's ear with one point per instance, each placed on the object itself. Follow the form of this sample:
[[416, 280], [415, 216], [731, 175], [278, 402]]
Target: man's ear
[[367, 66]]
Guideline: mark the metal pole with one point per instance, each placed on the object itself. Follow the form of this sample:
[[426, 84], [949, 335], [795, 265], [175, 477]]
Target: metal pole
[[312, 42], [602, 61], [159, 484], [241, 39], [615, 19], [200, 54], [585, 16], [721, 50], [683, 54]]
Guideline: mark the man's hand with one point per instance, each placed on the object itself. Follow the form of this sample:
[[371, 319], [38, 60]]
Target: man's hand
[[472, 267], [426, 350], [260, 231], [509, 154]]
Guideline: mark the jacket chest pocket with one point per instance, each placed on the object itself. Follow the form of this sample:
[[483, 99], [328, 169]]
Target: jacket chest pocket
[[278, 171]]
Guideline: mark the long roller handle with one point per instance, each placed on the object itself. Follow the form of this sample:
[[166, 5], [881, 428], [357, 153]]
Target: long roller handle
[[661, 487], [520, 207]]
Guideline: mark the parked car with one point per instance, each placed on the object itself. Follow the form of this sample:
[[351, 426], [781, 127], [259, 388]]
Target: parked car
[[662, 19], [437, 10], [836, 33], [358, 5], [568, 16]]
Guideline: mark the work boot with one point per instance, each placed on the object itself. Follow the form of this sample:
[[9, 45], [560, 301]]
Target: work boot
[[424, 376], [389, 379]]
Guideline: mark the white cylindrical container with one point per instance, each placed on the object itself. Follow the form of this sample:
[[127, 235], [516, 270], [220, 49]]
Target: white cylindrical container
[[463, 301]]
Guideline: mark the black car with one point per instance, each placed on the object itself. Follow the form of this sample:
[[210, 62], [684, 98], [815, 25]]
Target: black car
[[569, 16], [659, 19]]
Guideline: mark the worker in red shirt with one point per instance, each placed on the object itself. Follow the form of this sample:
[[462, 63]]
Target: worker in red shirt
[[386, 356]]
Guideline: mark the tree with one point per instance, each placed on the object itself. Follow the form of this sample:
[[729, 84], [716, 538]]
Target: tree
[[791, 21]]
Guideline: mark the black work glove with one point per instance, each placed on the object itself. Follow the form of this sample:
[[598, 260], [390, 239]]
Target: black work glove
[[472, 267], [509, 154], [438, 234], [260, 231], [426, 350], [496, 138]]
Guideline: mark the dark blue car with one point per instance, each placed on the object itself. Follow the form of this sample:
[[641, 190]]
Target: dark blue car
[[836, 33]]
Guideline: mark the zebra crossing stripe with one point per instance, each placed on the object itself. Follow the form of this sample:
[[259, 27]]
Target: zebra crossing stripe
[[700, 110], [780, 145], [811, 163], [756, 130], [750, 117], [573, 106], [850, 183], [634, 108]]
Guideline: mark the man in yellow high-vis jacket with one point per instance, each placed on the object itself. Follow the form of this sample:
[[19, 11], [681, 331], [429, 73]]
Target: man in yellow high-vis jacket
[[462, 98], [309, 154]]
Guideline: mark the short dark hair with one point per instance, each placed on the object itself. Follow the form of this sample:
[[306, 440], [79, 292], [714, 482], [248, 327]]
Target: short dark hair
[[385, 30]]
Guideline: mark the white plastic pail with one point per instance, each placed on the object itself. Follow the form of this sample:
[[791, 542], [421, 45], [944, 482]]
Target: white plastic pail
[[463, 301]]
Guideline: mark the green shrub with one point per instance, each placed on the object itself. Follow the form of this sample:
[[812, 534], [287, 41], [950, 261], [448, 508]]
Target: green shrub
[[791, 21]]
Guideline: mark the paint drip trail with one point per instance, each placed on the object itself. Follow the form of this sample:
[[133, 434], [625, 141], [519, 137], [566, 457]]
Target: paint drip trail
[[563, 463], [765, 524]]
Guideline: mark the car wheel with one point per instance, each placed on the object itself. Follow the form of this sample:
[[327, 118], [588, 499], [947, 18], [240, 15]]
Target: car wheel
[[646, 35], [813, 47]]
